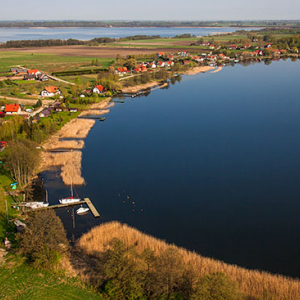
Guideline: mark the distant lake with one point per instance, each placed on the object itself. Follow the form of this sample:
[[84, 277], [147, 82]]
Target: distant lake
[[212, 164], [7, 34]]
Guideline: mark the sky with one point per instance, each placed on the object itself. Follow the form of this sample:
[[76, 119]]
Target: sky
[[201, 10]]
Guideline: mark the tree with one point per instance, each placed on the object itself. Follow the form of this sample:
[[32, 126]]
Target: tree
[[130, 63], [216, 286], [168, 274], [122, 277], [44, 239], [22, 159]]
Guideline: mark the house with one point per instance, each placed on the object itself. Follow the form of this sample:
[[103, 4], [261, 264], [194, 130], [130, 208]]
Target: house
[[58, 109], [170, 57], [2, 145], [160, 54], [18, 70], [211, 46], [45, 113], [50, 91], [29, 77], [267, 45], [42, 77], [35, 72], [121, 71], [73, 109], [35, 120], [169, 63], [182, 53], [152, 65], [161, 64], [12, 109], [98, 89], [232, 47]]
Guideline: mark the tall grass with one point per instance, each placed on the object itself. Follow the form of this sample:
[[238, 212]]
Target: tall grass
[[251, 282]]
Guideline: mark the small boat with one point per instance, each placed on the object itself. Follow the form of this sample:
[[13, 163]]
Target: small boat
[[102, 119], [82, 210], [71, 199]]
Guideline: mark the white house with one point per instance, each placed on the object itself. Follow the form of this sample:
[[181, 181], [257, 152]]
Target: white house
[[98, 89], [50, 91]]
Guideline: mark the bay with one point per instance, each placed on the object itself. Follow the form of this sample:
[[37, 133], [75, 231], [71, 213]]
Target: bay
[[211, 164], [8, 34]]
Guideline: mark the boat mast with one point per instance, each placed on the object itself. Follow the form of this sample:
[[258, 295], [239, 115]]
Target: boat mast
[[71, 188]]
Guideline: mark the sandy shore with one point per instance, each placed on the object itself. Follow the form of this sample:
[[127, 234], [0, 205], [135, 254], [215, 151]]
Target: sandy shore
[[137, 88], [196, 70], [217, 70], [75, 131]]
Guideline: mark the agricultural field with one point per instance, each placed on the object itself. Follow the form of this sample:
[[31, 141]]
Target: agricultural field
[[58, 60]]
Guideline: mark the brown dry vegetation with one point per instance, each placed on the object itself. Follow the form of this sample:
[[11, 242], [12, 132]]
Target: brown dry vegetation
[[137, 88], [56, 143], [252, 283], [69, 163]]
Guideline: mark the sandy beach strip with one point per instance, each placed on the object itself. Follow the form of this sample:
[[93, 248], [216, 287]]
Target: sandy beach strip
[[196, 70]]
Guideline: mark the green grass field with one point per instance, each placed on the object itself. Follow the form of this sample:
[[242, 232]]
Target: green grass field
[[46, 62], [20, 282]]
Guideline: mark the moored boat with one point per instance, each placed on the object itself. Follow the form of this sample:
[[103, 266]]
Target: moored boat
[[82, 210]]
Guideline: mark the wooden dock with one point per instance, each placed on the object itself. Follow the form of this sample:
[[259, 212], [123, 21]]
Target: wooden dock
[[92, 207], [86, 201]]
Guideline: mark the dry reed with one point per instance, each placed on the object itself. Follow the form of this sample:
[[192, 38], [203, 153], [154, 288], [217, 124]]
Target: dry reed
[[137, 88], [69, 162], [56, 143], [252, 282], [94, 112]]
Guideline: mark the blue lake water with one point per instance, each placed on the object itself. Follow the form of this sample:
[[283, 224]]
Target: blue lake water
[[7, 34], [212, 164]]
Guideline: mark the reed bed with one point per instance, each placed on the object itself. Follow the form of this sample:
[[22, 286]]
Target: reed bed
[[103, 104], [69, 163], [56, 143], [252, 282], [76, 128], [94, 112]]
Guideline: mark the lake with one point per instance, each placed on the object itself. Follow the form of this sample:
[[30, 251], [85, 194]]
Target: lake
[[9, 34], [211, 164]]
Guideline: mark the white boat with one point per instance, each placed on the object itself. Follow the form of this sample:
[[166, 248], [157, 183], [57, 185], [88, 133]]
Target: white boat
[[82, 210], [71, 199]]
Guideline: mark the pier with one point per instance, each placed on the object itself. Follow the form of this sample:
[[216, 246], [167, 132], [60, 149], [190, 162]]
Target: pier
[[86, 201]]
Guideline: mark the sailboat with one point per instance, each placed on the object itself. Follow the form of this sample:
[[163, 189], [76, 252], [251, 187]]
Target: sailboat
[[82, 210], [71, 199]]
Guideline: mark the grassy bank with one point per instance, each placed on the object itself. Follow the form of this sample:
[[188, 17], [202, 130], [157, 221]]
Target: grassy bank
[[22, 282]]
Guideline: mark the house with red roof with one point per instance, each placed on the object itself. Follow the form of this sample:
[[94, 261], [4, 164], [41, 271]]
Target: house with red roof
[[161, 64], [98, 89], [12, 109], [50, 91], [232, 47], [169, 63], [160, 54], [152, 65], [121, 71]]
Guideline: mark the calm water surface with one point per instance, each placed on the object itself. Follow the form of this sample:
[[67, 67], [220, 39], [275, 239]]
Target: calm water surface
[[7, 34], [212, 164]]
